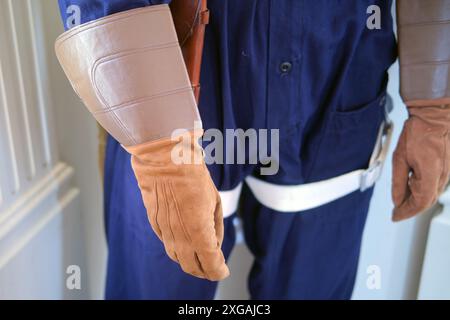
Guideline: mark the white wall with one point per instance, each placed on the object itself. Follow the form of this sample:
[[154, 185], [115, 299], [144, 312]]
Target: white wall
[[77, 143], [435, 278], [40, 230]]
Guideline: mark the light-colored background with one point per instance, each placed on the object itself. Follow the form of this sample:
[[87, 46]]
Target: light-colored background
[[51, 199]]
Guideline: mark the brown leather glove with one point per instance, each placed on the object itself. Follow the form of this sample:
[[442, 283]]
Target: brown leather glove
[[421, 160], [183, 205]]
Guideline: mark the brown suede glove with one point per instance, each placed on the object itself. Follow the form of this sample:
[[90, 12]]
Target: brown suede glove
[[421, 161], [138, 89], [183, 204]]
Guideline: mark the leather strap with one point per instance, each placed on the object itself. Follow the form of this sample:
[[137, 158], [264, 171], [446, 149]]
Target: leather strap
[[190, 20]]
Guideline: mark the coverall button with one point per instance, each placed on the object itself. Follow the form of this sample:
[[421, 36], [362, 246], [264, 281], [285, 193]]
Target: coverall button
[[285, 67]]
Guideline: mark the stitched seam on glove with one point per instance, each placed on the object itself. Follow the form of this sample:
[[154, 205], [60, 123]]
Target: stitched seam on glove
[[177, 209]]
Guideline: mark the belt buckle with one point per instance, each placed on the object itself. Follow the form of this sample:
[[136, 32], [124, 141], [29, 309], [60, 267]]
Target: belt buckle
[[373, 172], [370, 176]]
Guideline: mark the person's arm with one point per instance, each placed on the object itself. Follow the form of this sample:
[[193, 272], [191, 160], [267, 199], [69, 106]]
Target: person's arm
[[90, 10], [422, 158], [128, 69], [190, 19]]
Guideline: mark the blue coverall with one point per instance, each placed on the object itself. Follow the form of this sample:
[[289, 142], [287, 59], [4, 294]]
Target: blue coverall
[[311, 69]]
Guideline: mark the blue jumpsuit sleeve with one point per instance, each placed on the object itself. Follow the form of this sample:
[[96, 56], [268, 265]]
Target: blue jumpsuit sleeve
[[94, 9]]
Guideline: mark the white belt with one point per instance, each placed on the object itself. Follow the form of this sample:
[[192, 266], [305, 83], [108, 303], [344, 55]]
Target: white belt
[[310, 195], [230, 200]]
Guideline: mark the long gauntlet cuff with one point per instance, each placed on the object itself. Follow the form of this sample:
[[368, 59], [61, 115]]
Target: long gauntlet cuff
[[424, 49], [129, 71]]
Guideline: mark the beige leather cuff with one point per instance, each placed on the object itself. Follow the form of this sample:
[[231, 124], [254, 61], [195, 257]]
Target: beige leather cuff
[[424, 50], [129, 71]]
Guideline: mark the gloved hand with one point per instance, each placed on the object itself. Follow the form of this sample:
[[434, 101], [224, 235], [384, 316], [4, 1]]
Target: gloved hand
[[421, 161], [138, 89], [182, 203]]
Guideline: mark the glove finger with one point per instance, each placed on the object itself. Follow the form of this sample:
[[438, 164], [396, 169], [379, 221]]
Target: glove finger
[[422, 196], [189, 261], [218, 221], [443, 182], [208, 246], [210, 256], [202, 256], [445, 176], [202, 239], [400, 175], [212, 263], [182, 241]]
